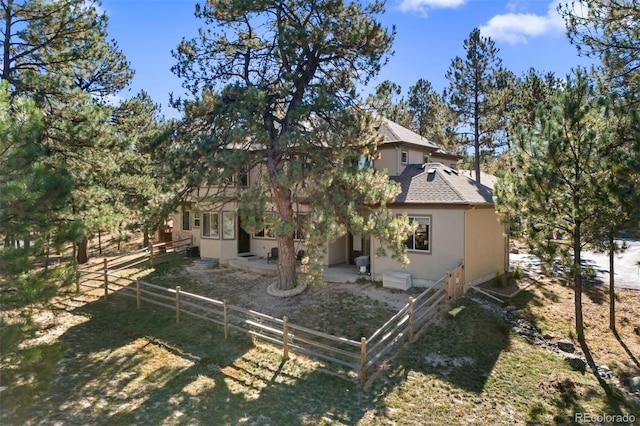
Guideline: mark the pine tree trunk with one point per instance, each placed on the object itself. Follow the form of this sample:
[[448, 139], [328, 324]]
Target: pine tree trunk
[[577, 281], [83, 255], [145, 236], [476, 141], [287, 275], [47, 254], [612, 291]]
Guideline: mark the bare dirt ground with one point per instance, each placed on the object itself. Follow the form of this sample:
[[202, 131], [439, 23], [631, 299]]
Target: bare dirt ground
[[331, 308], [250, 289]]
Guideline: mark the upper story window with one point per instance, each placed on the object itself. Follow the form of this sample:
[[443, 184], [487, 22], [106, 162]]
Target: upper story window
[[426, 159], [243, 177], [420, 240], [404, 157], [364, 162]]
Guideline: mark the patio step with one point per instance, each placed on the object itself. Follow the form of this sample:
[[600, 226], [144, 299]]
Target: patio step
[[205, 263], [248, 258]]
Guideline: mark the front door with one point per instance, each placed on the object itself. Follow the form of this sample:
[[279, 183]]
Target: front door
[[244, 239], [358, 246]]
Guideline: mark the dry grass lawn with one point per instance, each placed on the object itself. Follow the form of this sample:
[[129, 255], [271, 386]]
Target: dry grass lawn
[[108, 363], [550, 306]]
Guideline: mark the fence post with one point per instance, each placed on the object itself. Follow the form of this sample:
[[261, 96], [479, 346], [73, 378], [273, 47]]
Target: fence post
[[138, 293], [449, 286], [363, 360], [411, 319], [106, 279], [151, 255], [177, 304], [226, 318], [285, 338], [78, 279]]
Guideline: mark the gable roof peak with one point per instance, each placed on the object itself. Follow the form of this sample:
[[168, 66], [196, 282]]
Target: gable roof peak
[[435, 183]]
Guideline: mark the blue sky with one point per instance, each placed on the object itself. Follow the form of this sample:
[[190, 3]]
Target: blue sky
[[430, 33]]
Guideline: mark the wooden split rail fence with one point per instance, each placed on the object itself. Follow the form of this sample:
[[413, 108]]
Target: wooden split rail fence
[[94, 275], [358, 356]]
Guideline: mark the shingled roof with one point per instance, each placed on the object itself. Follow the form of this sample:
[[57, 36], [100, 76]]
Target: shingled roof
[[393, 132], [435, 183]]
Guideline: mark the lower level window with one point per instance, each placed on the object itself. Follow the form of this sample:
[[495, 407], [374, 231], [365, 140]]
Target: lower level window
[[211, 225], [268, 230], [421, 237]]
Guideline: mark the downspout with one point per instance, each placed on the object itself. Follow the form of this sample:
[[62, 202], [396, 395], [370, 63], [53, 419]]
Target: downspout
[[464, 246], [397, 160], [507, 242]]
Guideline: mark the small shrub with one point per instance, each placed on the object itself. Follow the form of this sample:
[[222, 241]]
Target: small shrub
[[517, 274]]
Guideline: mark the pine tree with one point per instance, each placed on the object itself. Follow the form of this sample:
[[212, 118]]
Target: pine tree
[[608, 30], [477, 93], [387, 101], [619, 191], [560, 175], [58, 54], [276, 81], [30, 192], [145, 181], [430, 116], [51, 46]]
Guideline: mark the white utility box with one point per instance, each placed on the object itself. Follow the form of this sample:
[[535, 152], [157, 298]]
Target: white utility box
[[396, 280]]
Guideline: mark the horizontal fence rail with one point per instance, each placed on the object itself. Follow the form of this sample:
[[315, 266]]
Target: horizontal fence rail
[[358, 356]]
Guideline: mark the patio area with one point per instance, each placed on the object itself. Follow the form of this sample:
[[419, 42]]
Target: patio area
[[334, 274]]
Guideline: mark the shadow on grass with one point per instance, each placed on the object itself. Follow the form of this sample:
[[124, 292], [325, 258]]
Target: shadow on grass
[[595, 291], [598, 294], [27, 381], [615, 398], [461, 350], [632, 356], [129, 366]]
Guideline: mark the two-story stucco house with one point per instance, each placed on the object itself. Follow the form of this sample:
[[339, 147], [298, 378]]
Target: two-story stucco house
[[455, 216]]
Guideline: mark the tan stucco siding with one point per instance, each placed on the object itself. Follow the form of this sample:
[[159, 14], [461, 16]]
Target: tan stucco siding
[[446, 160], [337, 252], [387, 160], [210, 248], [391, 158], [262, 246], [447, 247], [177, 233], [485, 245]]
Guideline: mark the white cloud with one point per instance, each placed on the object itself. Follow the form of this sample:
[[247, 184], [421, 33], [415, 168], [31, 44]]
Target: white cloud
[[515, 28], [423, 5]]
